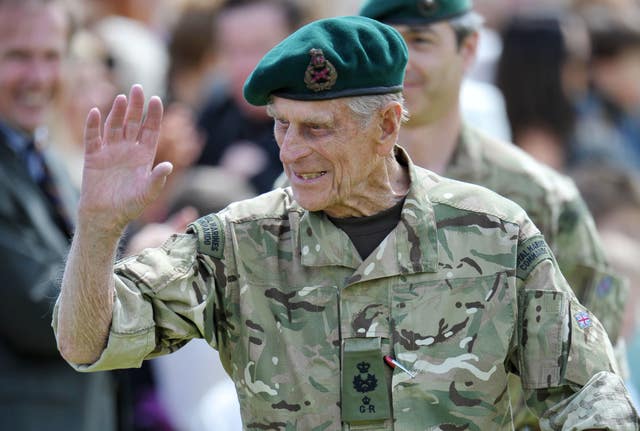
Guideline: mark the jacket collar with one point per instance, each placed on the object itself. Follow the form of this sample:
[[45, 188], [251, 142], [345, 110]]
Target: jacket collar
[[466, 163], [410, 248]]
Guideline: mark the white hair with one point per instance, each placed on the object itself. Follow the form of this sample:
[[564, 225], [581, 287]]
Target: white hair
[[365, 107]]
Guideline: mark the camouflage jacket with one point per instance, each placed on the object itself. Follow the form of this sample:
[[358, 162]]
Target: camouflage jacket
[[554, 204], [463, 291]]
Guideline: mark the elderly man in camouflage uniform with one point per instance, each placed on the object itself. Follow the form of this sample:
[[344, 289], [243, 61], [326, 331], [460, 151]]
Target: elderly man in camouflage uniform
[[371, 294], [442, 37]]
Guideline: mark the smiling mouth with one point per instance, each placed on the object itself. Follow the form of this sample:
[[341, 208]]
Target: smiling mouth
[[311, 176], [34, 99]]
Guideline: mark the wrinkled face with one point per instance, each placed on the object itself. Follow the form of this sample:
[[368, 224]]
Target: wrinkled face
[[32, 44], [330, 158], [244, 35], [434, 71]]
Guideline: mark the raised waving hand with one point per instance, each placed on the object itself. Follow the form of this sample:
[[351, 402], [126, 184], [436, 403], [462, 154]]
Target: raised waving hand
[[119, 178]]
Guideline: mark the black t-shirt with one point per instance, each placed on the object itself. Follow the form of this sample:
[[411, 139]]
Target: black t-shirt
[[367, 233]]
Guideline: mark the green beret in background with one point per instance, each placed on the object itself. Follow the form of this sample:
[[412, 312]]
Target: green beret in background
[[414, 11], [331, 58]]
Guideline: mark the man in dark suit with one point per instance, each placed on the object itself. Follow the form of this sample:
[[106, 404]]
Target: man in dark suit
[[38, 390]]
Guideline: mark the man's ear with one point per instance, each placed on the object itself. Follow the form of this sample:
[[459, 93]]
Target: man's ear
[[469, 49], [390, 120]]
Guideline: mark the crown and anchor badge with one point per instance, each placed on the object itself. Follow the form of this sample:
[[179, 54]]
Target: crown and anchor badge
[[320, 74]]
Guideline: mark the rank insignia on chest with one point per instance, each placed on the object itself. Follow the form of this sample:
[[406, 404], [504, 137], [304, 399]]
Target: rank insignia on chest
[[365, 398]]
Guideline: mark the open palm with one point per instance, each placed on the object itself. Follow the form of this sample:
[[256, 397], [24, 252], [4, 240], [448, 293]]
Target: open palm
[[119, 179]]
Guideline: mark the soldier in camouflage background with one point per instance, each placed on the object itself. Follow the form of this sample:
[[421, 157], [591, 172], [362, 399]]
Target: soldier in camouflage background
[[442, 37], [366, 256]]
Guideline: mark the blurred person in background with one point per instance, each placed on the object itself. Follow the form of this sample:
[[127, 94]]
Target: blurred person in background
[[613, 196], [442, 42], [38, 390], [548, 51], [442, 38], [239, 137], [496, 13], [192, 62], [608, 126], [87, 82], [134, 39]]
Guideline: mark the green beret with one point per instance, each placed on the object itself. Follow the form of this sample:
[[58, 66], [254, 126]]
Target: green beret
[[331, 58], [414, 11]]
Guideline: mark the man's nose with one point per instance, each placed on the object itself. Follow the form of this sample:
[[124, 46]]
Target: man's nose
[[293, 147], [41, 71]]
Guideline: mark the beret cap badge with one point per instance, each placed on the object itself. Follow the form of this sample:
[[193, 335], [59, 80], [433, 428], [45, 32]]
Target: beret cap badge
[[320, 74], [427, 7]]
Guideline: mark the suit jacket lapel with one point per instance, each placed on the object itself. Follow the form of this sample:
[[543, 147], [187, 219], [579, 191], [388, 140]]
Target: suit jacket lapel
[[28, 197]]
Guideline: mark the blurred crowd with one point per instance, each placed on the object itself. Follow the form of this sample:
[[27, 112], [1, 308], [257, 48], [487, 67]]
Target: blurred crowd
[[558, 78]]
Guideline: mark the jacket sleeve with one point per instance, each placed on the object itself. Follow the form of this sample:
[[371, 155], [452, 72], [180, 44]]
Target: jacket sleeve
[[164, 297], [564, 356]]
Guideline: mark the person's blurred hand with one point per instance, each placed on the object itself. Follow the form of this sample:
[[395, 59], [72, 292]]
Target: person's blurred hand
[[180, 143], [154, 234]]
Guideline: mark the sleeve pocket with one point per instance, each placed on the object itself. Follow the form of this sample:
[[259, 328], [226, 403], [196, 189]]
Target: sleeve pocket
[[542, 331]]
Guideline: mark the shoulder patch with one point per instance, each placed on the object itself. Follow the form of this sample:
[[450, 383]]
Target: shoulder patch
[[210, 233], [530, 253]]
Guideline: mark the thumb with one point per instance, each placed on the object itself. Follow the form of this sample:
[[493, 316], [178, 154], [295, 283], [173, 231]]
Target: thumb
[[158, 179]]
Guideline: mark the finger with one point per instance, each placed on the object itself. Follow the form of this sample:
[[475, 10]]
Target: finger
[[158, 178], [91, 137], [113, 126], [133, 116], [151, 126]]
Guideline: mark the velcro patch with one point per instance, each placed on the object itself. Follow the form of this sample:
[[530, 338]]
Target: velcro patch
[[365, 399], [605, 286], [530, 253], [583, 319], [210, 232]]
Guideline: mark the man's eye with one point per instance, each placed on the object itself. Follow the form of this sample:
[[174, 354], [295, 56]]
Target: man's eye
[[422, 41], [17, 55]]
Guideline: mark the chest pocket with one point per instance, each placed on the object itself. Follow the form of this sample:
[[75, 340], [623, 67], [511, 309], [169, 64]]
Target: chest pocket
[[454, 335], [289, 317], [291, 368]]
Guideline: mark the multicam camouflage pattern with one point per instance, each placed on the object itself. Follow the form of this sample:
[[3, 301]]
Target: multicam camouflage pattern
[[463, 291], [554, 204]]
